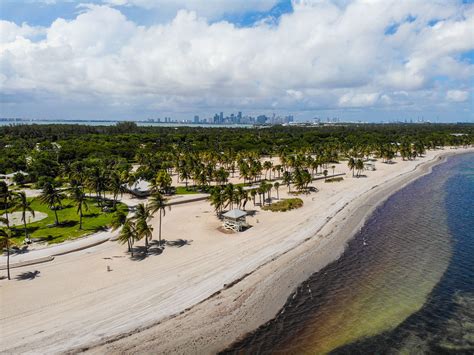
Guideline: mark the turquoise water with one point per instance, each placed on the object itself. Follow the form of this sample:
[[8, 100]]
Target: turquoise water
[[405, 284]]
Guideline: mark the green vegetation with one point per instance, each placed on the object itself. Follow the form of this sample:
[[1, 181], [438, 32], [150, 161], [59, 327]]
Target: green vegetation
[[93, 221], [182, 190], [284, 205], [334, 179]]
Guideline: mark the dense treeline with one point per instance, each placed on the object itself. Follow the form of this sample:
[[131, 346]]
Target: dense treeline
[[43, 149]]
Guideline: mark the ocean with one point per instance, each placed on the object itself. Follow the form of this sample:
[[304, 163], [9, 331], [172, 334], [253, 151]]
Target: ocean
[[404, 285]]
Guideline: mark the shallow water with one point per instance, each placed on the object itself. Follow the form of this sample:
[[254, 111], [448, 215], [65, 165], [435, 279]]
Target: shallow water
[[404, 284]]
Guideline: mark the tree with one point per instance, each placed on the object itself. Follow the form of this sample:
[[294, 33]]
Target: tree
[[359, 166], [163, 181], [267, 165], [184, 173], [22, 204], [52, 197], [140, 219], [217, 199], [5, 196], [351, 164], [117, 184], [118, 219], [79, 198], [276, 185], [158, 204], [287, 179], [128, 234], [229, 193], [19, 178], [253, 193], [5, 236]]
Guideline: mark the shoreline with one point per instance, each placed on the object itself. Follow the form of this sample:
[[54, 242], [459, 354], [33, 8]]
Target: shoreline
[[228, 315]]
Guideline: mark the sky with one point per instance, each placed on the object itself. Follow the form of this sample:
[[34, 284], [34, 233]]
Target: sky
[[367, 60]]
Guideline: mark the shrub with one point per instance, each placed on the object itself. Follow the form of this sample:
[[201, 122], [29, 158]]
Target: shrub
[[334, 179], [284, 205]]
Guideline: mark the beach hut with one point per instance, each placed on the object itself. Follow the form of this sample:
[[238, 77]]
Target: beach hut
[[141, 188], [235, 220]]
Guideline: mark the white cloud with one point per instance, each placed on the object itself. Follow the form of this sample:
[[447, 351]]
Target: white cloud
[[358, 100], [206, 8], [323, 55], [457, 95]]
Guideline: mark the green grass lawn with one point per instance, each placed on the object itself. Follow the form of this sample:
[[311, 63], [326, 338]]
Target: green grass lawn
[[181, 190], [94, 220]]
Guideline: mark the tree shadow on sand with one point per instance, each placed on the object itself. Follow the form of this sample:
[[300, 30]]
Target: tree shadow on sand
[[29, 275], [140, 252], [178, 243]]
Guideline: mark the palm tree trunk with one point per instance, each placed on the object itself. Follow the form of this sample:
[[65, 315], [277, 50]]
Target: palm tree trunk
[[8, 259], [24, 224], [56, 215], [80, 218], [159, 232]]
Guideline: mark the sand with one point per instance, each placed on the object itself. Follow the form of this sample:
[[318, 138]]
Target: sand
[[202, 296], [15, 218]]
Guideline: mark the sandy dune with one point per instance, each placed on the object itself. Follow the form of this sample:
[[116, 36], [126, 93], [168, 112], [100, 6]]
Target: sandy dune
[[74, 302]]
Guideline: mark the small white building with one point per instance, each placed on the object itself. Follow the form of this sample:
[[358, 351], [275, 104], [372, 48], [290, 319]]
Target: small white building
[[140, 188], [235, 220]]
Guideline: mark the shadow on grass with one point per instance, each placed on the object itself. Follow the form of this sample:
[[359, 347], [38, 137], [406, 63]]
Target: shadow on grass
[[29, 275]]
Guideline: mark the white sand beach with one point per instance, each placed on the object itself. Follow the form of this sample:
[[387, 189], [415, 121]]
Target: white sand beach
[[207, 288]]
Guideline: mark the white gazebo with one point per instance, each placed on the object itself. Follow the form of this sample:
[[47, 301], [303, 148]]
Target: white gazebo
[[235, 220]]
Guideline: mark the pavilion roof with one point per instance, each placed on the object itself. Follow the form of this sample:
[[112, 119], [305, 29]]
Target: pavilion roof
[[235, 213]]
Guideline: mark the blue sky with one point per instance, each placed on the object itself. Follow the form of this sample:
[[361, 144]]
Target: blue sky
[[136, 59]]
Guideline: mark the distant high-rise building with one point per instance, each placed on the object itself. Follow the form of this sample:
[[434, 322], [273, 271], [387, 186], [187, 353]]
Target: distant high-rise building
[[239, 115], [196, 119], [221, 117]]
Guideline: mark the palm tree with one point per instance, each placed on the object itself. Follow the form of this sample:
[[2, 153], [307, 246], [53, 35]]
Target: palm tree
[[267, 165], [118, 219], [359, 166], [78, 196], [253, 193], [52, 197], [143, 229], [5, 236], [22, 204], [217, 199], [287, 179], [117, 186], [6, 196], [276, 185], [229, 193], [158, 204], [128, 234], [351, 164]]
